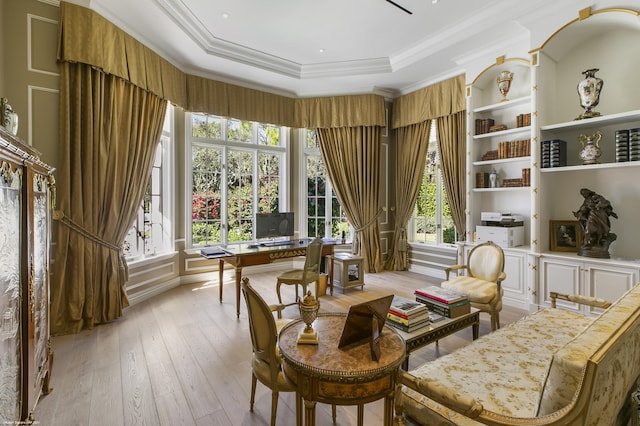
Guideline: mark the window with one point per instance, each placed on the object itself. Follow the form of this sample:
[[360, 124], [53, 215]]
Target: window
[[237, 170], [324, 216], [152, 230], [431, 221]]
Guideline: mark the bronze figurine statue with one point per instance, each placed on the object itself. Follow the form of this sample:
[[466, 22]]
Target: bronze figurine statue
[[593, 216]]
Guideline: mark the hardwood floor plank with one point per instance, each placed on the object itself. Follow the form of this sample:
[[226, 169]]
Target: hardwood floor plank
[[183, 358]]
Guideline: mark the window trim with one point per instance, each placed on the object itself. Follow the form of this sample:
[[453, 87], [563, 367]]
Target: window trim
[[225, 145]]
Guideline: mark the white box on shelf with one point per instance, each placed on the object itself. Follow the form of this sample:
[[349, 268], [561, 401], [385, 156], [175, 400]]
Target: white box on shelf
[[504, 236]]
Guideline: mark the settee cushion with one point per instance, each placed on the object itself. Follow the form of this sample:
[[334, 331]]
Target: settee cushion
[[504, 370]]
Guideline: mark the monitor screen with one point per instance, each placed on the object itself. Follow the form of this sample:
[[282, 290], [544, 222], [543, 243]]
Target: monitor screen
[[272, 225]]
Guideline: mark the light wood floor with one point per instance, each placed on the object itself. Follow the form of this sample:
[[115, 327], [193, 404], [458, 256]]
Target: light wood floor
[[182, 358]]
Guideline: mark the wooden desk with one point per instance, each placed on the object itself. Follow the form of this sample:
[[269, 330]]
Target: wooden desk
[[324, 373], [242, 255]]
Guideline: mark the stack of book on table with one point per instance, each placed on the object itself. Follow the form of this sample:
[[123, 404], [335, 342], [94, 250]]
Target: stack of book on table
[[407, 315], [443, 301]]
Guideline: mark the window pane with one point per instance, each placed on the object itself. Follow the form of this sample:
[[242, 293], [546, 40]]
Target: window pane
[[206, 195], [239, 131], [312, 139], [268, 135], [240, 196], [268, 182]]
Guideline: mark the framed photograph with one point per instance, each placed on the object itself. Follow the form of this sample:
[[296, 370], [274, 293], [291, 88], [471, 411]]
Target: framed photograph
[[565, 235]]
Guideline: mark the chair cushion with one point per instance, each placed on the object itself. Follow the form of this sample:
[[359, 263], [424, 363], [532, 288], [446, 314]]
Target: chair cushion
[[295, 276], [478, 290], [263, 372]]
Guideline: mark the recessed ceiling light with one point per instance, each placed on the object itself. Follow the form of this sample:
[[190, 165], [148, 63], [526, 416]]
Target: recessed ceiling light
[[434, 1], [321, 50], [225, 15]]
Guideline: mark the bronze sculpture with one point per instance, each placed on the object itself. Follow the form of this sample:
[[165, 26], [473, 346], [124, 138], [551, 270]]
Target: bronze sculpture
[[593, 216]]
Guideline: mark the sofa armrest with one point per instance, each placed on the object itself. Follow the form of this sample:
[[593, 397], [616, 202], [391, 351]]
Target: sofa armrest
[[453, 268], [578, 298], [459, 403]]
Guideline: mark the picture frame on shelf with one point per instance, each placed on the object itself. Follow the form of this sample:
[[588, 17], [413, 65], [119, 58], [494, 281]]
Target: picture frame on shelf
[[565, 235]]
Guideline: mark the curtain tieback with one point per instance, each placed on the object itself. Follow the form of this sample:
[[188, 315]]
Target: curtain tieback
[[370, 223], [60, 216]]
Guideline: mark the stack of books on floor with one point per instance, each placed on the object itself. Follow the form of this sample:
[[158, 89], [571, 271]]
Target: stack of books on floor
[[443, 301], [407, 315]]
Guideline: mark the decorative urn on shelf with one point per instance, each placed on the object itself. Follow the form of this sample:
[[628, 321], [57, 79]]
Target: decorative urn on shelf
[[504, 83], [590, 148], [309, 307], [8, 118], [493, 179], [589, 90]]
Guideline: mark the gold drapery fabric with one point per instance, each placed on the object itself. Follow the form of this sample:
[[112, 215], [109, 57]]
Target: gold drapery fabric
[[87, 37], [412, 143], [438, 100], [451, 144], [352, 158], [109, 130]]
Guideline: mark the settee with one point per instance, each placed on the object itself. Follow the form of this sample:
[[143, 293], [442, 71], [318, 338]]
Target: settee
[[552, 367]]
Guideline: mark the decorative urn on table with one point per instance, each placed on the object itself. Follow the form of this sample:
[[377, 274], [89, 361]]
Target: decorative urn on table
[[589, 90], [504, 83], [590, 148], [309, 307]]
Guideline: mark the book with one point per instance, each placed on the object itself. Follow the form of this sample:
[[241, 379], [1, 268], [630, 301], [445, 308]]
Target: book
[[435, 317], [403, 306], [445, 310], [440, 294], [407, 321], [213, 252], [409, 328]]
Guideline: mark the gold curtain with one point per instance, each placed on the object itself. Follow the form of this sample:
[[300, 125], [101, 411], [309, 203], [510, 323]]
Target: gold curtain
[[438, 100], [352, 158], [87, 37], [451, 144], [109, 131], [412, 143]]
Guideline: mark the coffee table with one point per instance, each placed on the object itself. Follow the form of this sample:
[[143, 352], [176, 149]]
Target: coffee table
[[437, 330]]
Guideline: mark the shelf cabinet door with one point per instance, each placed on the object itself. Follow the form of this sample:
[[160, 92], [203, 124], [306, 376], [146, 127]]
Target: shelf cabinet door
[[11, 342], [589, 278]]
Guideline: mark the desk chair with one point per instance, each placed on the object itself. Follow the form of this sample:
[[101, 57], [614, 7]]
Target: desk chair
[[307, 275], [482, 282], [266, 363]]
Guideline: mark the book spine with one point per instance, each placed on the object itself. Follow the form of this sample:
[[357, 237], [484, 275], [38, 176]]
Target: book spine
[[437, 298], [424, 297], [446, 311], [398, 319], [398, 313]]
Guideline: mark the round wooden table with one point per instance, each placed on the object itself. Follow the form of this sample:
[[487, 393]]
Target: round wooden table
[[324, 373]]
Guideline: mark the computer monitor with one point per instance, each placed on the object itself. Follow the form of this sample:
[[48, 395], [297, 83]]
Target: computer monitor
[[273, 225]]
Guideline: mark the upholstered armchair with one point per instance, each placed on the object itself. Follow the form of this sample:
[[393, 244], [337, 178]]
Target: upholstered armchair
[[303, 277], [481, 282], [266, 363]]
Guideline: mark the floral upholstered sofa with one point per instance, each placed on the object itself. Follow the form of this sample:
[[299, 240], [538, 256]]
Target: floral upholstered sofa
[[553, 367]]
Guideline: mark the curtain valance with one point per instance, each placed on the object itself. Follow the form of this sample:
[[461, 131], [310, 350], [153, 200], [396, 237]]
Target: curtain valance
[[438, 100], [86, 37], [340, 111]]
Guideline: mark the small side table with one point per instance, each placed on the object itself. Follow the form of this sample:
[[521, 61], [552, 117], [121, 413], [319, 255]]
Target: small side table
[[323, 373], [348, 271]]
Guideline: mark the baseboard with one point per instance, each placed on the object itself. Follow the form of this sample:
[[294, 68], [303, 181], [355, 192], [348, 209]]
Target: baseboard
[[430, 272], [141, 296]]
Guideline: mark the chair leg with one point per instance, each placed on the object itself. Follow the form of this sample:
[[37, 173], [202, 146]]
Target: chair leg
[[333, 413], [254, 380], [274, 407], [278, 284], [497, 319]]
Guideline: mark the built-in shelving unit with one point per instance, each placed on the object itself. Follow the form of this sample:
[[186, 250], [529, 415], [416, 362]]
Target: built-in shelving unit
[[603, 40], [489, 151]]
